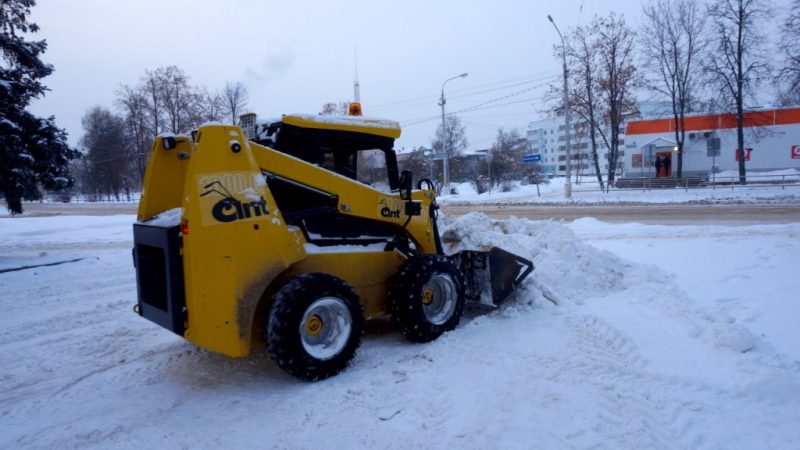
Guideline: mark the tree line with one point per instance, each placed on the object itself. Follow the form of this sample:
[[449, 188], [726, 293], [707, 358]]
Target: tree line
[[116, 141], [113, 151], [698, 57]]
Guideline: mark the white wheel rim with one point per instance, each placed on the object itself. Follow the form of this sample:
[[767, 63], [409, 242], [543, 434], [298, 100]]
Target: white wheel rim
[[326, 327], [442, 305]]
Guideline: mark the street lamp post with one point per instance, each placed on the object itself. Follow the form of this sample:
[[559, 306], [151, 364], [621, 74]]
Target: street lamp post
[[568, 166], [446, 181]]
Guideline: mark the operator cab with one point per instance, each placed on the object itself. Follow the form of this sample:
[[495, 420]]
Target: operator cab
[[352, 146]]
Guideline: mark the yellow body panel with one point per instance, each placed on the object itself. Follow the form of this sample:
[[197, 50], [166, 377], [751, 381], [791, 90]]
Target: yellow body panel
[[239, 250], [367, 273], [229, 265], [163, 180]]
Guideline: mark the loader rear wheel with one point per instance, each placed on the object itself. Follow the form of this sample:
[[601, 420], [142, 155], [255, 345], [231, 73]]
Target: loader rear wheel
[[314, 326], [426, 297]]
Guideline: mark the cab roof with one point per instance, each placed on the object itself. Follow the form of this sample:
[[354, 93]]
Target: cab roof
[[358, 124]]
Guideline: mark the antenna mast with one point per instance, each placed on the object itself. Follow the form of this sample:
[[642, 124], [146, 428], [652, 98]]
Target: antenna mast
[[356, 86]]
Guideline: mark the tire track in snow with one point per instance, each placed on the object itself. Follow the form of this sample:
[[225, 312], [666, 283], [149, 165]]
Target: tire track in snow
[[644, 409], [610, 360]]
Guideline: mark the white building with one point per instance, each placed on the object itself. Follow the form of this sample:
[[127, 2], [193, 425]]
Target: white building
[[547, 138], [772, 141]]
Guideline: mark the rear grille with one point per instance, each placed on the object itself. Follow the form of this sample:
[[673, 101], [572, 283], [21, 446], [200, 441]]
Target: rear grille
[[152, 269], [159, 275]]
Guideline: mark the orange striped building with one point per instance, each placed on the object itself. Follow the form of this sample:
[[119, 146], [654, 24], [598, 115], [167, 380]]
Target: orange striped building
[[772, 142]]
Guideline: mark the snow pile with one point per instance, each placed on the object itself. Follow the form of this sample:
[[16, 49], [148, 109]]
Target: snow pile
[[564, 265]]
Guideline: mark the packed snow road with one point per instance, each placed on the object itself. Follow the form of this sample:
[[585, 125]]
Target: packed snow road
[[662, 337]]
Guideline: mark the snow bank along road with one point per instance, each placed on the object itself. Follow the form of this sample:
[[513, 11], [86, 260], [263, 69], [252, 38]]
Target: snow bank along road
[[676, 214], [663, 337], [650, 214]]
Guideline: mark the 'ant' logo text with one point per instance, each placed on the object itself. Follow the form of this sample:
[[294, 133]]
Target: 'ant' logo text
[[388, 212], [229, 209]]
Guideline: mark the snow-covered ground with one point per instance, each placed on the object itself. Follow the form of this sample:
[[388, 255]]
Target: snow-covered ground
[[587, 191], [663, 337]]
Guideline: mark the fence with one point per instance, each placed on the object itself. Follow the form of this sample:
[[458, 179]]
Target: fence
[[714, 182]]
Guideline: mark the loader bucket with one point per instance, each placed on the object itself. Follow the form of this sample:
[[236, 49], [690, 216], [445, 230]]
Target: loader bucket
[[497, 272]]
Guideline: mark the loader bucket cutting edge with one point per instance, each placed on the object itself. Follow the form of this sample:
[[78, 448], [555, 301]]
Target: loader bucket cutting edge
[[507, 272], [496, 271]]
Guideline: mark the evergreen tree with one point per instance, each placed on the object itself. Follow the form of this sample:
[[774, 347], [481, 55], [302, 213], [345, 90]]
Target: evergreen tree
[[33, 152]]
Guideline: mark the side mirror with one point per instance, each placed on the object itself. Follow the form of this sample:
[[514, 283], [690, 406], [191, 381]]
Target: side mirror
[[405, 185], [412, 208]]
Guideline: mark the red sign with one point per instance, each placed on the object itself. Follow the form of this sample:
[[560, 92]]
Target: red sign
[[796, 152], [746, 154]]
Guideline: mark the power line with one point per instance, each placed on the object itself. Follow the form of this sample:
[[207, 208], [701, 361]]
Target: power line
[[426, 101], [478, 107], [485, 126], [503, 88], [489, 116], [488, 104]]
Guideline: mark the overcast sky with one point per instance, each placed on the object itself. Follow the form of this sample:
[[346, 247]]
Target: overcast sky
[[296, 55]]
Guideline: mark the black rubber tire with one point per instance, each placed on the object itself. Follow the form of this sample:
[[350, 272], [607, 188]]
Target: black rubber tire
[[406, 297], [283, 328]]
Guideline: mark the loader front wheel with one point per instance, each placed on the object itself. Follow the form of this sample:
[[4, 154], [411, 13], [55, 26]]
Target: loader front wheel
[[314, 326], [426, 297]]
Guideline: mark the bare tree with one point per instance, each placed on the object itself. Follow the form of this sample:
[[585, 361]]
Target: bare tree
[[234, 97], [179, 99], [617, 80], [334, 109], [506, 156], [152, 92], [672, 42], [108, 167], [583, 62], [417, 162], [210, 106], [456, 136], [132, 103], [738, 63], [789, 76]]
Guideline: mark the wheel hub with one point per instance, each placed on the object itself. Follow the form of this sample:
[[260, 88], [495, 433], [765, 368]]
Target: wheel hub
[[313, 325], [439, 298], [427, 296], [326, 327]]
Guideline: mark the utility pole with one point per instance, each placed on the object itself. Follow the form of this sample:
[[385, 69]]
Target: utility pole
[[446, 180], [568, 166]]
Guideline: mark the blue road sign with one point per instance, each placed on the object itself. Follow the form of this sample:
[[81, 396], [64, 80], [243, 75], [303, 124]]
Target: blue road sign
[[532, 158]]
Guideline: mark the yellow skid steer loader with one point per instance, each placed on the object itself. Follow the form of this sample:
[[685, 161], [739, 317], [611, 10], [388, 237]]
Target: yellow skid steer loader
[[291, 234]]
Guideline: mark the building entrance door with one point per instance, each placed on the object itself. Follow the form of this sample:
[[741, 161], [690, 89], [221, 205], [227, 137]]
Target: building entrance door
[[663, 164]]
